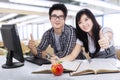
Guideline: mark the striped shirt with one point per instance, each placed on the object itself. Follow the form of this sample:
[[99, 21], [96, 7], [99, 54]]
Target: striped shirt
[[67, 41]]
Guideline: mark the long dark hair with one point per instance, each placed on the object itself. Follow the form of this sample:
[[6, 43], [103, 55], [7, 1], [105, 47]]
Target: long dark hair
[[83, 35]]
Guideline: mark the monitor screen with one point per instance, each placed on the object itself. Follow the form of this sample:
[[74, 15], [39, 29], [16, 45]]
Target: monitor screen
[[12, 44]]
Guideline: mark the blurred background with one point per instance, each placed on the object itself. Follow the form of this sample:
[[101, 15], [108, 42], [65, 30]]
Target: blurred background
[[31, 16]]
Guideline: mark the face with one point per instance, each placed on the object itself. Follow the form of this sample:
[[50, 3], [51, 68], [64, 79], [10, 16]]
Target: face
[[85, 23], [57, 19]]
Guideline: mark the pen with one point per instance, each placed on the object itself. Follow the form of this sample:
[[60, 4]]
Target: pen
[[86, 55]]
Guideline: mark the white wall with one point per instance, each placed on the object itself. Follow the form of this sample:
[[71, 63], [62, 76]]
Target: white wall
[[113, 21], [37, 30]]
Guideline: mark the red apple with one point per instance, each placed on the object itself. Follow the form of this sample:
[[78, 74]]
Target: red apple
[[57, 69]]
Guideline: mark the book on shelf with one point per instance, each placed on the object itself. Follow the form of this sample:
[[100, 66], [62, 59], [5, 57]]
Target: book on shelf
[[96, 66], [67, 65], [82, 67]]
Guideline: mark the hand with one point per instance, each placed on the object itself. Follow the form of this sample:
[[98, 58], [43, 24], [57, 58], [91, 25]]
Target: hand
[[44, 53], [31, 43], [54, 59], [104, 43], [104, 40], [32, 46]]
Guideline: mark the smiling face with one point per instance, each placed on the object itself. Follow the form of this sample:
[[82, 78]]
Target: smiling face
[[85, 23], [57, 19]]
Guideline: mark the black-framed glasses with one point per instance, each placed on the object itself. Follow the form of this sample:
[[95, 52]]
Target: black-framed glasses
[[61, 17]]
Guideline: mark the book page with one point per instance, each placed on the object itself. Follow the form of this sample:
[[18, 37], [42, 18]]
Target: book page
[[84, 68], [43, 69], [102, 67], [96, 66], [71, 66], [67, 65], [118, 64]]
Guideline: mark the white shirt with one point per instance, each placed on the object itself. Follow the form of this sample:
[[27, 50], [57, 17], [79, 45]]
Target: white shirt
[[92, 48]]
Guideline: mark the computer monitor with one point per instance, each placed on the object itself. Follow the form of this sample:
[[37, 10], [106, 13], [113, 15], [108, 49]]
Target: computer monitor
[[12, 44]]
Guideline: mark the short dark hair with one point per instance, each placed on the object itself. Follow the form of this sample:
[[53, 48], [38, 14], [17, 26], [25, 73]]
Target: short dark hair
[[59, 6]]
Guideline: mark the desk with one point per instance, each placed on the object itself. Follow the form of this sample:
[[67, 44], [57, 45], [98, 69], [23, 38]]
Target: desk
[[24, 73]]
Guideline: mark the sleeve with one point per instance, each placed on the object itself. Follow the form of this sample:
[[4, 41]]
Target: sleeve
[[106, 29], [43, 44], [69, 44], [79, 42]]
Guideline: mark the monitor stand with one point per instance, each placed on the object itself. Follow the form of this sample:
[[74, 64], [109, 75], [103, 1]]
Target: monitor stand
[[9, 62]]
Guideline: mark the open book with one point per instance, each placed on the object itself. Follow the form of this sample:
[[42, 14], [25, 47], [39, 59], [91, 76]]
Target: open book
[[81, 67], [96, 66], [67, 65]]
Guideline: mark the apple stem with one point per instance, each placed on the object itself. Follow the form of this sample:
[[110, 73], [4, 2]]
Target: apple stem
[[59, 62]]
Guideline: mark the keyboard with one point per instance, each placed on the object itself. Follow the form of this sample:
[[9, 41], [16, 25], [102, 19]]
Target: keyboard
[[37, 61]]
